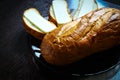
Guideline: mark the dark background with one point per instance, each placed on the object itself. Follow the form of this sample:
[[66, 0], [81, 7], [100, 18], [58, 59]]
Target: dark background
[[15, 53], [114, 1], [16, 60]]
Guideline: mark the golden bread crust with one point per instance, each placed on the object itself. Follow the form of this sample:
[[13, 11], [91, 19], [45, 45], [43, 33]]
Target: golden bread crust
[[94, 32]]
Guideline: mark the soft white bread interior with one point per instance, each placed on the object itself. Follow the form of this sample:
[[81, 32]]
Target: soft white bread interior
[[84, 7], [35, 24], [61, 12], [34, 17]]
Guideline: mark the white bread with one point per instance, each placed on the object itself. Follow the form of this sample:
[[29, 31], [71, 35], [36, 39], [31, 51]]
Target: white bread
[[35, 24], [61, 12], [84, 7]]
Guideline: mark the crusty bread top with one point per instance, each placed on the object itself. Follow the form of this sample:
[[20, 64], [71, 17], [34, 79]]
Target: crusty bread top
[[94, 32]]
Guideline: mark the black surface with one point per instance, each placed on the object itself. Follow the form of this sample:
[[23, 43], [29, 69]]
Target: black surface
[[114, 1], [16, 62]]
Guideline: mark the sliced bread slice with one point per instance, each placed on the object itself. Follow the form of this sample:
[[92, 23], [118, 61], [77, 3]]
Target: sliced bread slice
[[84, 7], [61, 12], [35, 24]]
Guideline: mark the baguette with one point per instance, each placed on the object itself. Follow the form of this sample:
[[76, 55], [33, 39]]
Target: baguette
[[96, 31]]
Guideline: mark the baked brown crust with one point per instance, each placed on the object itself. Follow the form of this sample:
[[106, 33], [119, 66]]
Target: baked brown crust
[[94, 32]]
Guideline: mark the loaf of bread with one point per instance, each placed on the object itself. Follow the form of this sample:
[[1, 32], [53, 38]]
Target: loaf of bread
[[96, 31]]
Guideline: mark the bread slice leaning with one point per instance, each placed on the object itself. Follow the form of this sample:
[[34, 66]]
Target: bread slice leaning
[[94, 32], [59, 13], [35, 24], [52, 16], [84, 7]]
